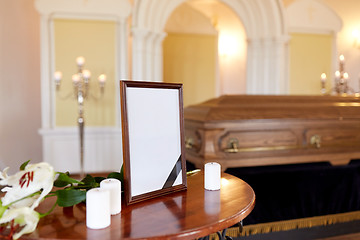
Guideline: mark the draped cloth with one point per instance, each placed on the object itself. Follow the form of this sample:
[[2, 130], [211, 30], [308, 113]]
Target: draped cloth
[[286, 192]]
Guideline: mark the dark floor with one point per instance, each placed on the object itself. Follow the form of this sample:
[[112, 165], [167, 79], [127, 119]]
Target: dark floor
[[339, 231]]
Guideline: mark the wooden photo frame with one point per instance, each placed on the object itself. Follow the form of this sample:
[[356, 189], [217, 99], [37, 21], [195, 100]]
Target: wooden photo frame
[[153, 139]]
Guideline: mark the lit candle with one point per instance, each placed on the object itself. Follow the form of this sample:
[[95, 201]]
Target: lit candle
[[114, 186], [80, 61], [323, 77], [342, 58], [346, 76], [102, 78], [58, 76], [86, 74], [75, 78], [98, 208], [212, 176], [337, 74]]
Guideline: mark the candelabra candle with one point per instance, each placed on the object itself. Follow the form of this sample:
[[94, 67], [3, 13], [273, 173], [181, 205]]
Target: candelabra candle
[[341, 60], [80, 61], [57, 77], [76, 79], [86, 74], [81, 88], [323, 83]]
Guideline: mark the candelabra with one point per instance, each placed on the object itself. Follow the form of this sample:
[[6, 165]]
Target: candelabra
[[81, 92], [341, 81]]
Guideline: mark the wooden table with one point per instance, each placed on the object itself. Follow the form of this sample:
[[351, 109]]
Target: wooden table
[[188, 214]]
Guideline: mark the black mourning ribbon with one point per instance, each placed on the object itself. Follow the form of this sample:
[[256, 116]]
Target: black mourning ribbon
[[173, 174]]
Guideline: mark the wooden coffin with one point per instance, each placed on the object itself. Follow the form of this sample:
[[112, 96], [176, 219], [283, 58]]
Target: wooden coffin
[[254, 130]]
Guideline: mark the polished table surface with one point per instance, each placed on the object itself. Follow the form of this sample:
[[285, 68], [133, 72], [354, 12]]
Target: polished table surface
[[188, 214]]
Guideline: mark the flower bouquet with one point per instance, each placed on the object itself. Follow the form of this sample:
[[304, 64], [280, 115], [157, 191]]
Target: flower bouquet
[[25, 190]]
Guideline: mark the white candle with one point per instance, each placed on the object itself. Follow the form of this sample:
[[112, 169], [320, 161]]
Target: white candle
[[212, 176], [337, 74], [102, 78], [58, 76], [323, 77], [98, 208], [86, 74], [114, 186], [75, 78], [342, 58], [80, 61]]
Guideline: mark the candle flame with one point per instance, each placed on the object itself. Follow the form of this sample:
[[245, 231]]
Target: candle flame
[[342, 58]]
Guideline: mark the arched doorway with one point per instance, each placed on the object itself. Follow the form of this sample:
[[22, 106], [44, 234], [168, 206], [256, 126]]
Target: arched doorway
[[205, 49], [263, 21]]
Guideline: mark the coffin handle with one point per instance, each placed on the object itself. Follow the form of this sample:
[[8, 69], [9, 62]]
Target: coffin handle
[[315, 140], [233, 146], [189, 142]]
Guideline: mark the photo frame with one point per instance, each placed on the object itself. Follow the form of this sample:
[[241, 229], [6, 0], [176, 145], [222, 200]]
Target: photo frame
[[153, 139]]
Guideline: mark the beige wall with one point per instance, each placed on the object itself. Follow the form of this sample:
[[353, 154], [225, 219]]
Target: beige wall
[[20, 113], [95, 41], [310, 55], [191, 59]]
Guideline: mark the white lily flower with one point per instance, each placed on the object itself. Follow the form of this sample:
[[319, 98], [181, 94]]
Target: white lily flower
[[3, 174], [34, 178], [24, 216]]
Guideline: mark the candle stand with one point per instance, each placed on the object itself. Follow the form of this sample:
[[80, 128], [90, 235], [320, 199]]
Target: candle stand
[[341, 81], [81, 92]]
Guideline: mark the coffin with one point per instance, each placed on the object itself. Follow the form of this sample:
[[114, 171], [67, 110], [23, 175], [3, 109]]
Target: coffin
[[258, 130]]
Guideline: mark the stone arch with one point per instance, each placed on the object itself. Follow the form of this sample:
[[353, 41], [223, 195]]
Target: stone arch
[[264, 24]]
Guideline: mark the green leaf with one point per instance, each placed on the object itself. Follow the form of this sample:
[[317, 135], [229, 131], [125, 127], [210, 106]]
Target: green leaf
[[70, 197], [122, 171], [117, 175], [64, 179], [87, 183], [2, 209], [22, 167], [88, 180], [99, 179]]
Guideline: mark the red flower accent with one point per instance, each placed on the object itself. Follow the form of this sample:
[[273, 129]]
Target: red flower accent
[[13, 228], [26, 179]]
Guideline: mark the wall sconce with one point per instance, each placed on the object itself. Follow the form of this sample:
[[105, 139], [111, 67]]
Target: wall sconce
[[356, 37], [81, 92], [227, 45]]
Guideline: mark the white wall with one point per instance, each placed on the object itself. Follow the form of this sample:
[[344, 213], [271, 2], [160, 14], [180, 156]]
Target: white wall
[[20, 116]]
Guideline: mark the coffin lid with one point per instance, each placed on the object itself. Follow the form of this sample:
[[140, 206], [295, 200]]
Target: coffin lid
[[244, 107]]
